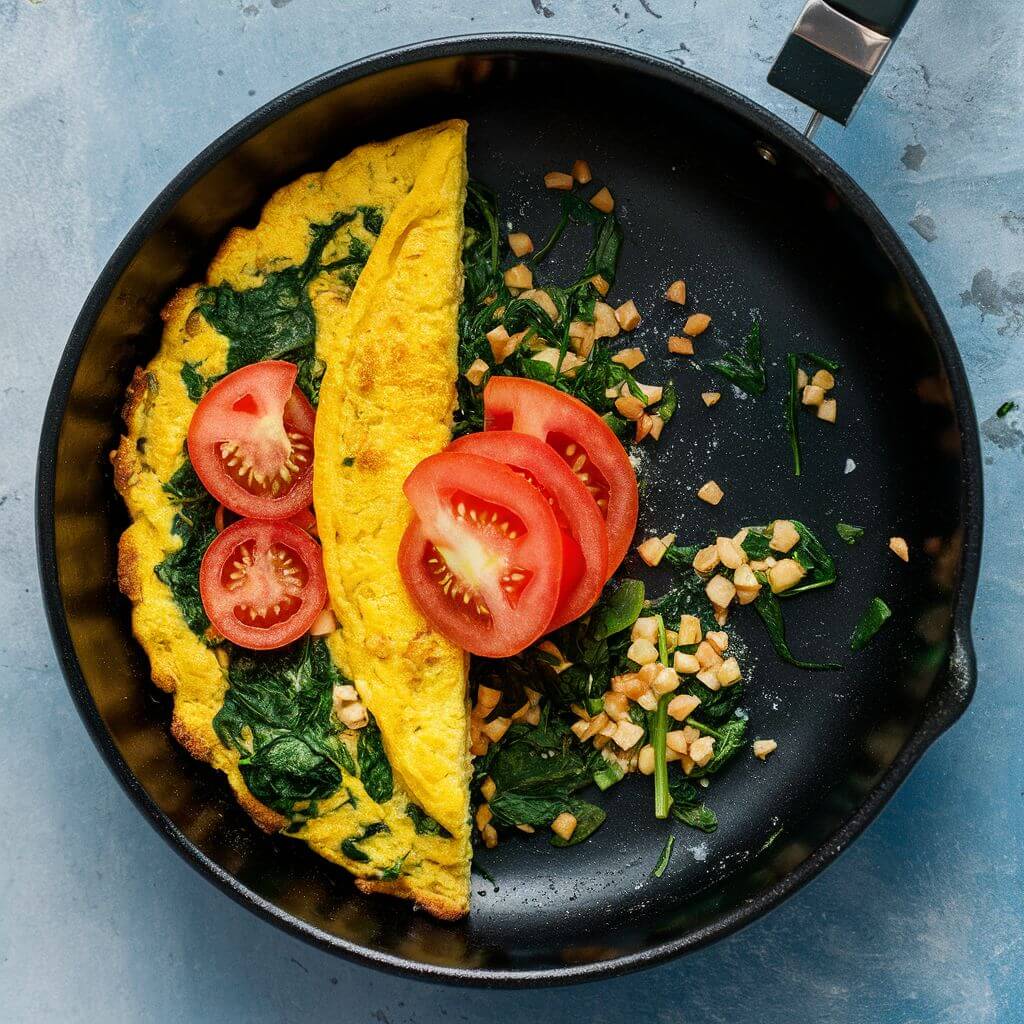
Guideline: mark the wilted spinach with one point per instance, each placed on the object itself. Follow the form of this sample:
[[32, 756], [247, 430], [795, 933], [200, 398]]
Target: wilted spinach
[[487, 303], [768, 607], [744, 366], [194, 524], [275, 319], [687, 806], [374, 768], [277, 714], [875, 616], [350, 847]]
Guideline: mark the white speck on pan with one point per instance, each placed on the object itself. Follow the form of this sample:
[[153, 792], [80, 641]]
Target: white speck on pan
[[850, 466]]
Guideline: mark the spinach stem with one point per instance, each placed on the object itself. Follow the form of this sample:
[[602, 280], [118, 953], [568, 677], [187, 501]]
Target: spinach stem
[[705, 729], [659, 730], [792, 411]]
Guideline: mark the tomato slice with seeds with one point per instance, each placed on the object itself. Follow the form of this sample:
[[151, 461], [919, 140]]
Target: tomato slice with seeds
[[483, 558], [582, 439], [251, 441], [262, 583], [584, 537]]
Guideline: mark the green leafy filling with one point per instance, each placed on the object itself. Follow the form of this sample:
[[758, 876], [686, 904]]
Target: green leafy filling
[[275, 319], [194, 524], [374, 767], [277, 714], [424, 824], [350, 847]]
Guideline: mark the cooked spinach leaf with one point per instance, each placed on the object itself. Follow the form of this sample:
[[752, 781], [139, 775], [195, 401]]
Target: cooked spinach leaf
[[618, 611], [768, 607], [424, 824], [820, 570], [792, 408], [195, 383], [849, 534], [536, 770], [374, 767], [688, 808], [876, 615], [194, 524], [822, 362], [389, 874], [744, 366], [277, 714], [664, 857], [729, 736], [275, 319], [351, 849], [589, 818]]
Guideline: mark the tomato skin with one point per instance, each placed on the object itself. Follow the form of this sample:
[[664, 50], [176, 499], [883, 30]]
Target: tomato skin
[[255, 419], [531, 407], [264, 585], [482, 559], [584, 536]]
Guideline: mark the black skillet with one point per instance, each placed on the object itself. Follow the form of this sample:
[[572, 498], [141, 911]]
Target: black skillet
[[760, 223]]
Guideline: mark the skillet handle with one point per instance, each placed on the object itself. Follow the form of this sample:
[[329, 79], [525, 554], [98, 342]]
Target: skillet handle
[[834, 51]]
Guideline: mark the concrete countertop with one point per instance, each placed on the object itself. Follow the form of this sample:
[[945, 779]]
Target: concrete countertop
[[921, 921]]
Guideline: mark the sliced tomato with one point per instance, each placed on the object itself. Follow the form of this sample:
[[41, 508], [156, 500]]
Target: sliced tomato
[[582, 439], [304, 519], [262, 583], [584, 537], [251, 441], [483, 557]]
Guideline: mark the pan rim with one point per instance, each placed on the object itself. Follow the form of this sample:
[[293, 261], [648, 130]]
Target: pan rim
[[941, 712]]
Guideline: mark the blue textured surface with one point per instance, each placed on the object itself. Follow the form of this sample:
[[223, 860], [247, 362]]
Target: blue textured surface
[[100, 104]]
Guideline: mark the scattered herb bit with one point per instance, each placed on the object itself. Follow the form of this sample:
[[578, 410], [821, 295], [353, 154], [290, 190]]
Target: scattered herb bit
[[277, 714], [870, 623], [195, 383], [849, 534], [275, 319], [768, 607], [374, 768], [744, 366], [666, 856], [349, 460], [1005, 409], [792, 408], [350, 847], [822, 362]]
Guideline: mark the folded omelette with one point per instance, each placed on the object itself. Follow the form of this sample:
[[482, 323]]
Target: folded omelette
[[354, 274]]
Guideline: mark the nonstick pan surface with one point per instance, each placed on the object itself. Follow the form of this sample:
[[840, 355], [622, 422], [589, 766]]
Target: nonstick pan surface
[[762, 226]]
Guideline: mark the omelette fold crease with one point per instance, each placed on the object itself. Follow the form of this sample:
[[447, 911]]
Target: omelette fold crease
[[394, 852]]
